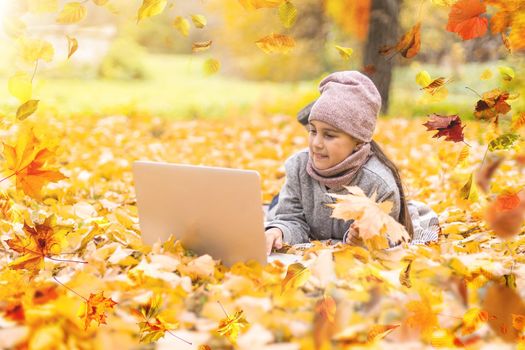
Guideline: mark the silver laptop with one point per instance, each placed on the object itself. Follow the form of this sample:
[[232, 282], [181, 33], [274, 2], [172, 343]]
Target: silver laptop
[[212, 210]]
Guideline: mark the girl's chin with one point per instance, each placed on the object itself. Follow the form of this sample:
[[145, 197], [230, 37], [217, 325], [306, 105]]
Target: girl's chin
[[321, 165]]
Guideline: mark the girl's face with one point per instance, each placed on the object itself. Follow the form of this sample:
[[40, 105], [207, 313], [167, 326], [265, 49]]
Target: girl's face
[[328, 146]]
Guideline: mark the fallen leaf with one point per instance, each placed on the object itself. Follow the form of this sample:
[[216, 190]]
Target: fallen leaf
[[296, 276], [28, 162], [182, 25], [231, 326]]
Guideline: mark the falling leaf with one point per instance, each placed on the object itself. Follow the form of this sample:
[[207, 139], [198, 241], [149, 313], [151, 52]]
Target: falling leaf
[[518, 322], [324, 321], [199, 21], [472, 320], [26, 109], [39, 242], [73, 12], [465, 19], [518, 121], [296, 276], [423, 78], [72, 46], [28, 162], [19, 85], [421, 316], [487, 74], [372, 220], [463, 155], [378, 332], [486, 171], [435, 85], [448, 126], [276, 43], [96, 307], [506, 73], [409, 44], [468, 192], [32, 50], [211, 66], [345, 52], [231, 326], [506, 214], [151, 8], [200, 46], [182, 25], [492, 104], [42, 6], [503, 142], [287, 14], [501, 302], [204, 347], [258, 4]]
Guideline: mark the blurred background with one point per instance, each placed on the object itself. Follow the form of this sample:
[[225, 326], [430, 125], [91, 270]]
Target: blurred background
[[149, 66]]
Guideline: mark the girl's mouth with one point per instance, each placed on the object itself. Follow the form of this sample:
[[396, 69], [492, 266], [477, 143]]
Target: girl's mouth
[[318, 156]]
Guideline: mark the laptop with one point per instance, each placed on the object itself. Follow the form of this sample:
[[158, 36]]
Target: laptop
[[211, 210]]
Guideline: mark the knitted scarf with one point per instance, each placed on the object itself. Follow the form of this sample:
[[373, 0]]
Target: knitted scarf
[[342, 173]]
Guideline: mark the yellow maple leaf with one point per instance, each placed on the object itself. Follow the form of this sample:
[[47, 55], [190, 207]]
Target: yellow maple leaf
[[39, 242], [371, 219], [232, 325], [27, 161], [95, 309]]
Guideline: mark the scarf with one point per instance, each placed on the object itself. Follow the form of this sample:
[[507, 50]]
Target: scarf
[[342, 173]]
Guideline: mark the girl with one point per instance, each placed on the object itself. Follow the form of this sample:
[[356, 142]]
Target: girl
[[340, 153]]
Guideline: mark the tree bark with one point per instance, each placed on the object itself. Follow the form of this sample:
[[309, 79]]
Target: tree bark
[[383, 30]]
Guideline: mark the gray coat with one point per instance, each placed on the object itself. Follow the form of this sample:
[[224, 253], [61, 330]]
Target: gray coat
[[301, 213]]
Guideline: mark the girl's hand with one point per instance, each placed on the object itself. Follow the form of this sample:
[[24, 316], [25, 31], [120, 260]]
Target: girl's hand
[[274, 238]]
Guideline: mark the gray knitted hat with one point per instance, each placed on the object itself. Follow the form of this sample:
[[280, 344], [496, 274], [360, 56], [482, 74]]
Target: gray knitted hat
[[349, 101]]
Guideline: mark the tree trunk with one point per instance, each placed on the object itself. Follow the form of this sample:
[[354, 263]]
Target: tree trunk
[[383, 30]]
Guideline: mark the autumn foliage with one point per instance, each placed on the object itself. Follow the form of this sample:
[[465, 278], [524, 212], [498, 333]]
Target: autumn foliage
[[75, 274]]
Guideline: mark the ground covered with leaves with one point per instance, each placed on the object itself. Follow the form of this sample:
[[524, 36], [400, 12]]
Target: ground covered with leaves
[[75, 275]]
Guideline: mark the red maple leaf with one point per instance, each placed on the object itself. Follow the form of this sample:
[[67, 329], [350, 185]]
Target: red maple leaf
[[448, 126]]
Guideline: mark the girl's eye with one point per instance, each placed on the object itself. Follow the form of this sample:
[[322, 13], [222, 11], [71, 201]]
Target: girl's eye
[[312, 131], [329, 136]]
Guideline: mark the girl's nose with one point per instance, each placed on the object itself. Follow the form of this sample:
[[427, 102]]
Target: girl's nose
[[317, 141]]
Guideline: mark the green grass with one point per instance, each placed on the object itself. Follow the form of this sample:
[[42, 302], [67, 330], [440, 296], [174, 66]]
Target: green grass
[[178, 89]]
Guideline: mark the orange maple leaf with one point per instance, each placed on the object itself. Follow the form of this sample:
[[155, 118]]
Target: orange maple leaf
[[464, 19], [39, 242], [27, 161], [409, 44], [96, 307], [324, 321], [296, 275]]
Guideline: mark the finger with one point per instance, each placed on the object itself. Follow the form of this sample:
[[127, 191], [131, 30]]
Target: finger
[[269, 244], [278, 243]]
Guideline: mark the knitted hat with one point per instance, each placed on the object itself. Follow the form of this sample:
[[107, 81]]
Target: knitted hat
[[350, 102]]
